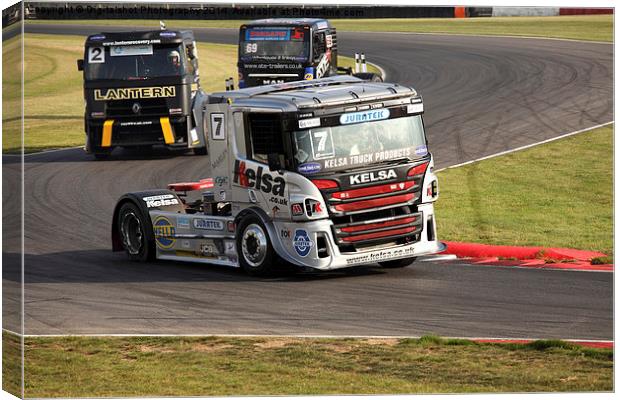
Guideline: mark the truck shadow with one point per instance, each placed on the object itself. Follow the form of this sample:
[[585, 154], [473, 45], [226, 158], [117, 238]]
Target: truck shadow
[[103, 266], [119, 154]]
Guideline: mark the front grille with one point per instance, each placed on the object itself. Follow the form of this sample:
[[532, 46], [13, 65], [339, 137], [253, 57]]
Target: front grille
[[146, 107], [377, 230], [377, 214]]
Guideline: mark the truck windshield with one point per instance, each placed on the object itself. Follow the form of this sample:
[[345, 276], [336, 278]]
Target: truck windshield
[[134, 62], [349, 146], [277, 44]]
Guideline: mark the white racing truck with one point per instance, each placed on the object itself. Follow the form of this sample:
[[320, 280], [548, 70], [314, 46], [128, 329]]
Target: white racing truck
[[325, 174]]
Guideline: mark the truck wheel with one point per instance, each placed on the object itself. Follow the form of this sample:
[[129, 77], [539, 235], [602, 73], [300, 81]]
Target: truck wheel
[[200, 151], [368, 76], [132, 229], [402, 263], [102, 154], [256, 253]]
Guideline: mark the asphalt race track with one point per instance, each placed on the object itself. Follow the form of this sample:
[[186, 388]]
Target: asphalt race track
[[482, 95]]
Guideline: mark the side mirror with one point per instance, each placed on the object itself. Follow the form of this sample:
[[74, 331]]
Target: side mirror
[[274, 162], [80, 65]]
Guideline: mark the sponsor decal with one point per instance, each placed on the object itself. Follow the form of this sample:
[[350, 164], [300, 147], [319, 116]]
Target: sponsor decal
[[297, 209], [222, 195], [309, 168], [132, 42], [255, 178], [285, 233], [375, 176], [221, 180], [229, 247], [329, 41], [208, 224], [208, 249], [97, 37], [278, 200], [274, 64], [143, 50], [167, 34], [382, 255], [272, 81], [415, 108], [309, 73], [364, 116], [136, 123], [305, 115], [421, 150], [368, 158], [309, 123], [164, 233], [217, 162], [321, 69], [183, 223], [321, 25], [134, 93], [302, 242], [314, 206], [160, 200], [268, 34]]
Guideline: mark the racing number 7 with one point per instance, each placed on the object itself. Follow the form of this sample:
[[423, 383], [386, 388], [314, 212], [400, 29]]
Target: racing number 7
[[218, 130], [322, 136]]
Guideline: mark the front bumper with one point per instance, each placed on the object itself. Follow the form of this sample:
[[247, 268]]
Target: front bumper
[[313, 245], [167, 131]]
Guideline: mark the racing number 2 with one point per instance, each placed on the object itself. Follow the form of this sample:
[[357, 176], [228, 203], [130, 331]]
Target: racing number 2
[[96, 55], [218, 130]]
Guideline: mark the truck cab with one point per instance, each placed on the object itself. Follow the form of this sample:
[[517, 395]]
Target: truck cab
[[139, 89], [282, 50], [321, 174]]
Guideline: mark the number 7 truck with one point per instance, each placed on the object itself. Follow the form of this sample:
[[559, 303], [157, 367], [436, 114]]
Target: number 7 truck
[[322, 174]]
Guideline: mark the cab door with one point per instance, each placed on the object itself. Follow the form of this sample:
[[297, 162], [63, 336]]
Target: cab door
[[219, 128]]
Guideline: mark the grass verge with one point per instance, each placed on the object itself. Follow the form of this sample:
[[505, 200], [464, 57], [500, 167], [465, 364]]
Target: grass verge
[[558, 194], [11, 363], [216, 366], [53, 94], [581, 27]]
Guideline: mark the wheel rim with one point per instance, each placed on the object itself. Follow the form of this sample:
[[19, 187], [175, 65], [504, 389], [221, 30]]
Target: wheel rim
[[254, 245], [131, 232]]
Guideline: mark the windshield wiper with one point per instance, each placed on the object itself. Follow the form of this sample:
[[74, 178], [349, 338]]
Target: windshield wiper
[[403, 160]]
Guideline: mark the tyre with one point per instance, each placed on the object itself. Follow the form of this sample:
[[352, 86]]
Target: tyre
[[368, 76], [200, 151], [256, 254], [402, 263], [135, 234], [102, 154]]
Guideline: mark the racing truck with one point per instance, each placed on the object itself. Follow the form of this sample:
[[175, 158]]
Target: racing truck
[[322, 174], [139, 90], [284, 50]]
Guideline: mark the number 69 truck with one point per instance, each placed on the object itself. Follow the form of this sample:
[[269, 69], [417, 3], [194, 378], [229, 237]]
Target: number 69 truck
[[324, 174]]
